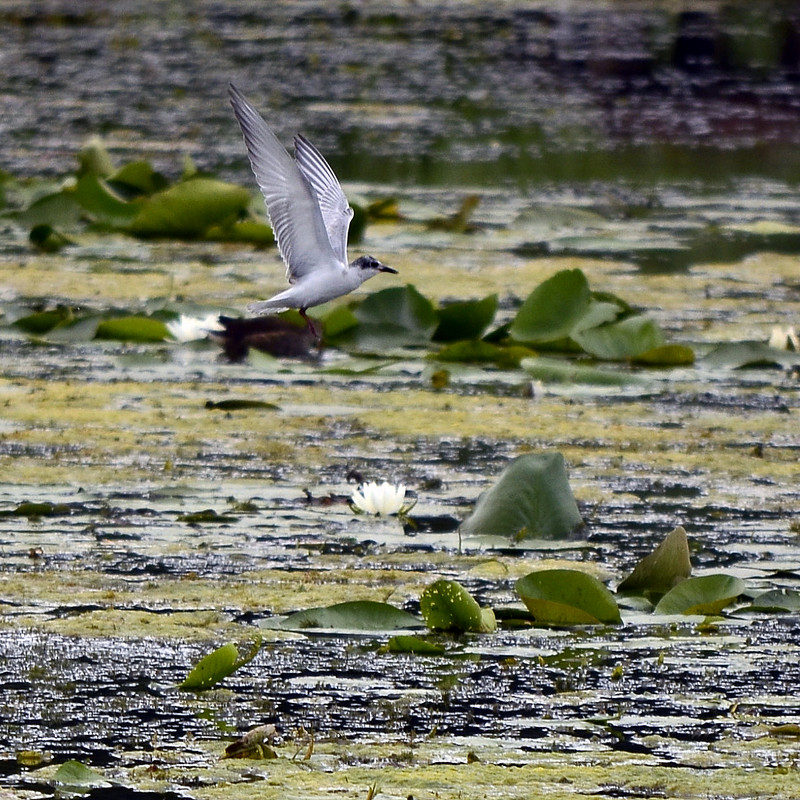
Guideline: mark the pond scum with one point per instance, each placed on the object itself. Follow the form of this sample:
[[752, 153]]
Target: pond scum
[[161, 504]]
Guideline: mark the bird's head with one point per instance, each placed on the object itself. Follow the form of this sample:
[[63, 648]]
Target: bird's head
[[367, 266]]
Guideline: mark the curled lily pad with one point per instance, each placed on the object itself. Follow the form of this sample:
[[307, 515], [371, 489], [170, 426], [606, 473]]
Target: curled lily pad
[[132, 329], [662, 569], [466, 320], [76, 776], [415, 645], [448, 606], [224, 661], [567, 597], [552, 310], [620, 340], [706, 594], [531, 500]]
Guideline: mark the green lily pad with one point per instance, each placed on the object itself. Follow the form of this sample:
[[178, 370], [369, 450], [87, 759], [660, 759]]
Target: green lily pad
[[223, 662], [662, 569], [78, 777], [103, 204], [415, 645], [59, 210], [240, 405], [531, 500], [466, 320], [448, 606], [775, 600], [132, 329], [480, 352], [43, 321], [190, 208], [357, 615], [556, 370], [706, 594], [553, 308], [567, 597], [667, 355], [739, 355], [620, 340]]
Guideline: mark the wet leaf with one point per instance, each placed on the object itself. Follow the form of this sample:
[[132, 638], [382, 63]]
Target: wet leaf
[[104, 204], [94, 159], [48, 239], [357, 615], [567, 597], [221, 663], [44, 321], [250, 231], [668, 355], [414, 645], [532, 499], [620, 340], [706, 594], [448, 606], [738, 355], [190, 208], [132, 329], [78, 777], [479, 352], [552, 310], [555, 370], [662, 569], [59, 210], [137, 178], [466, 320], [208, 515], [786, 600]]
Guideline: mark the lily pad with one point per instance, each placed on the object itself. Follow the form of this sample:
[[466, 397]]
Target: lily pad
[[554, 307], [356, 615], [664, 568], [706, 594], [415, 645], [615, 341], [739, 355], [104, 204], [555, 370], [775, 600], [480, 352], [567, 597], [223, 662], [132, 329], [448, 606], [78, 777], [466, 320], [531, 500], [667, 355], [190, 208]]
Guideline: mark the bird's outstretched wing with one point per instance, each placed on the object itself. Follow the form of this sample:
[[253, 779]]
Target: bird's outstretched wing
[[292, 206], [336, 213]]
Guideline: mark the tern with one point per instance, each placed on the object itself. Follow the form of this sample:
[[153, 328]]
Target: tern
[[309, 214]]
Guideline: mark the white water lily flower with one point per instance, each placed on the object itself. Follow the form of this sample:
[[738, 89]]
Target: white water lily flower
[[784, 339], [381, 499], [190, 329]]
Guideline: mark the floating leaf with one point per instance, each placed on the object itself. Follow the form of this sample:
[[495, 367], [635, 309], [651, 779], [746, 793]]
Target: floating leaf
[[466, 320], [104, 204], [137, 178], [44, 321], [47, 239], [77, 776], [224, 661], [480, 352], [620, 340], [448, 606], [59, 210], [738, 355], [664, 568], [190, 208], [532, 499], [551, 311], [415, 645], [132, 329], [356, 615], [667, 355], [208, 515], [240, 405], [786, 600], [706, 594], [555, 370], [567, 597]]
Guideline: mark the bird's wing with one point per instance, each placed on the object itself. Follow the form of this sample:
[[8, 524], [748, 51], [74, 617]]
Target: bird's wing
[[292, 205], [336, 213]]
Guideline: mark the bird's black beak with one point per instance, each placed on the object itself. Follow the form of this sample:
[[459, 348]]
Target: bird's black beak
[[384, 268]]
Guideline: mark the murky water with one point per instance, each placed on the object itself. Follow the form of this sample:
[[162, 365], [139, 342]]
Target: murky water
[[595, 140]]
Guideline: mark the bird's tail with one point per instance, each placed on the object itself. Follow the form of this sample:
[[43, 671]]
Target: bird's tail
[[265, 307]]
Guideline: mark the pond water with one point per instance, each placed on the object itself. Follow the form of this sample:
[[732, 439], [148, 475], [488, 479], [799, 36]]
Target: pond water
[[655, 151]]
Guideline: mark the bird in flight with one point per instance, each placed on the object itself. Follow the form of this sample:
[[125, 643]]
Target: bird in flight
[[309, 215]]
